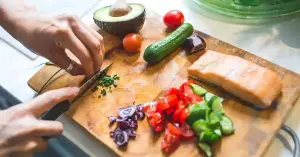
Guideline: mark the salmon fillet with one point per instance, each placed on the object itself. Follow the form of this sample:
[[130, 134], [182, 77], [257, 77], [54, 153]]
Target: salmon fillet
[[242, 78]]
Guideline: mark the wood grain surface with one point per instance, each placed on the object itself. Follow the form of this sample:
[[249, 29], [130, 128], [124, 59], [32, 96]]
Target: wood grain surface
[[140, 83]]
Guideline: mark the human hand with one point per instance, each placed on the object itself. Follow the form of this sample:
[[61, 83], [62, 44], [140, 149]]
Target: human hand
[[50, 36], [20, 129]]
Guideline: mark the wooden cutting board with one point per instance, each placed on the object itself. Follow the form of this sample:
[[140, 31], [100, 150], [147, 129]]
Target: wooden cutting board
[[140, 83]]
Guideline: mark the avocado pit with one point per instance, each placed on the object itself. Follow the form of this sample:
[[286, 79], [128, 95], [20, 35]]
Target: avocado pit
[[119, 9]]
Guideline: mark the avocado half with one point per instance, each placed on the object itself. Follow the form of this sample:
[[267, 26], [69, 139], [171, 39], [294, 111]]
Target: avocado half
[[122, 25]]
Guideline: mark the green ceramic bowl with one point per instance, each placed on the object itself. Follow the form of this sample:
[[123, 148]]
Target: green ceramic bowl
[[252, 8]]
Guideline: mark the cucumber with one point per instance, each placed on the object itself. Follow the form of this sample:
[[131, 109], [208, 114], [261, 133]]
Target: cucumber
[[227, 127], [198, 90], [215, 117], [208, 96], [197, 111], [206, 148], [199, 126], [159, 50], [209, 136], [216, 104]]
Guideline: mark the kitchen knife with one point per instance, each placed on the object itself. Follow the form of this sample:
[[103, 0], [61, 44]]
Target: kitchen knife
[[64, 106]]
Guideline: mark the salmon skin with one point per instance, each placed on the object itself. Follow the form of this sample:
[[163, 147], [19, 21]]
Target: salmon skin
[[244, 79]]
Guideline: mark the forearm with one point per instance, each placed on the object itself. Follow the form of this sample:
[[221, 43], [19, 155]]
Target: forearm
[[13, 16]]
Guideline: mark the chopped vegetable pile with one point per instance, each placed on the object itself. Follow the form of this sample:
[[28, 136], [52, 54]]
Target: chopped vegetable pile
[[188, 111], [126, 124], [105, 82]]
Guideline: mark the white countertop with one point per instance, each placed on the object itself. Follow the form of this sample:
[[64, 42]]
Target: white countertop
[[278, 43]]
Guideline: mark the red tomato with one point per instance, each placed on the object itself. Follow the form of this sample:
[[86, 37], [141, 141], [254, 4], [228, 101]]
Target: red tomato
[[173, 129], [159, 127], [132, 42], [185, 98], [162, 105], [176, 115], [183, 115], [170, 110], [157, 117], [173, 91], [186, 131], [173, 19], [170, 142], [172, 100], [192, 97], [183, 86]]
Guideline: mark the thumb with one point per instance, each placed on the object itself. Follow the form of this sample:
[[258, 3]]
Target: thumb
[[47, 100]]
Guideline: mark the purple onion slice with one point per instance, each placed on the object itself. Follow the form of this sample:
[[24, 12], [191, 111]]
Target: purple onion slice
[[133, 124], [141, 115], [131, 132], [194, 44], [121, 138], [112, 120], [127, 111]]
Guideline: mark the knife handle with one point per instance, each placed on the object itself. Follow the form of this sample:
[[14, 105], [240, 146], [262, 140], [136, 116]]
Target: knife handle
[[56, 111]]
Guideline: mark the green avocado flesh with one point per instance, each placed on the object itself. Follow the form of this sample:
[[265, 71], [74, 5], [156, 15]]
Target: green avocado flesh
[[122, 25]]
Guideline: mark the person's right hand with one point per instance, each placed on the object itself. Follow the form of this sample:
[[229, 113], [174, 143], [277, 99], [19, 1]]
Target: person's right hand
[[20, 129], [51, 36]]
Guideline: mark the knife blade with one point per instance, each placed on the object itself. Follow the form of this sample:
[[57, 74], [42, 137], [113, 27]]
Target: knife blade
[[64, 106]]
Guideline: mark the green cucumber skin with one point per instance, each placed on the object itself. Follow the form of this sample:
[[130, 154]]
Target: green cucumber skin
[[159, 50]]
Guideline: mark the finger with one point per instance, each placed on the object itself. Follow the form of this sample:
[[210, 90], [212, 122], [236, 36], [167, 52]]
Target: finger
[[98, 36], [67, 39], [89, 40], [42, 145], [60, 58], [47, 100], [21, 149], [47, 128]]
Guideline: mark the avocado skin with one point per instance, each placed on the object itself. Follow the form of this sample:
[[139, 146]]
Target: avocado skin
[[123, 27]]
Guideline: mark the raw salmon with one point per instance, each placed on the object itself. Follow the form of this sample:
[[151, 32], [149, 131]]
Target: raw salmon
[[242, 78]]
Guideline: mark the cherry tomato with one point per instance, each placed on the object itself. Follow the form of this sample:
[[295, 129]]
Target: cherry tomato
[[186, 131], [162, 105], [132, 42], [173, 19], [182, 87], [173, 129], [183, 115], [170, 110]]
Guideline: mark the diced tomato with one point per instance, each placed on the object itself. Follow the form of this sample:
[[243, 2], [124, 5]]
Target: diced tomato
[[185, 98], [191, 96], [162, 105], [170, 110], [170, 142], [150, 106], [173, 129], [172, 100], [183, 85], [159, 128], [176, 115], [173, 91], [183, 115], [157, 117], [186, 131]]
